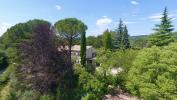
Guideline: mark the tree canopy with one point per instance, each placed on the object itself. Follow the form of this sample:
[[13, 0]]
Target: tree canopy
[[16, 35], [42, 63], [69, 29], [153, 74]]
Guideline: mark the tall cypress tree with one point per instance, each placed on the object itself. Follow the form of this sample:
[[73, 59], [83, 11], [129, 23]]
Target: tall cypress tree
[[118, 36], [83, 49], [125, 38], [165, 26]]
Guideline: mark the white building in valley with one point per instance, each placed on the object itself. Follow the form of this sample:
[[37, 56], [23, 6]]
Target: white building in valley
[[90, 54]]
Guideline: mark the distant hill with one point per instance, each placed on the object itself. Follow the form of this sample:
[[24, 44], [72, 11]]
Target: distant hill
[[138, 37], [135, 38], [145, 36]]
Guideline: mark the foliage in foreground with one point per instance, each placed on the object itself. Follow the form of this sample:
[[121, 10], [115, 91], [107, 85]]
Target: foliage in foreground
[[90, 84], [153, 75]]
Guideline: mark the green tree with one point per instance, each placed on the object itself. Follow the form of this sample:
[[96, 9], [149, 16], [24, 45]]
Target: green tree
[[165, 25], [107, 39], [83, 49], [153, 74], [163, 32], [118, 36], [125, 38], [95, 41], [99, 41], [160, 39], [91, 40], [69, 29]]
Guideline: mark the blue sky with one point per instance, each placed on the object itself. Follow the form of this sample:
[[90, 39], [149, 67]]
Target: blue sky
[[139, 15]]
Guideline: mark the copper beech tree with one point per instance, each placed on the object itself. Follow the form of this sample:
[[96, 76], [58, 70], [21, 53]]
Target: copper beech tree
[[42, 64]]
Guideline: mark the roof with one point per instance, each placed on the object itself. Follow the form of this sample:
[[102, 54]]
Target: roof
[[77, 47], [74, 48]]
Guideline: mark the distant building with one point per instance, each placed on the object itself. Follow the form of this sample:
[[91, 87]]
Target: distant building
[[75, 53], [90, 54]]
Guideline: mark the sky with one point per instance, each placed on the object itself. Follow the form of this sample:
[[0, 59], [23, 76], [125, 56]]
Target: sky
[[140, 16]]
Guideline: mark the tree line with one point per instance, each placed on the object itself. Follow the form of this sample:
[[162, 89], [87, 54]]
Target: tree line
[[117, 39]]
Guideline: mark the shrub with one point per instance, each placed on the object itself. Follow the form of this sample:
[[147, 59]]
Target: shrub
[[5, 93], [88, 83], [6, 76], [121, 59], [90, 97], [3, 61], [47, 97], [30, 95]]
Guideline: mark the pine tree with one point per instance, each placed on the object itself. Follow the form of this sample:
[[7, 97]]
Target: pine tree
[[125, 38], [162, 36], [165, 25], [83, 49], [118, 36], [107, 39]]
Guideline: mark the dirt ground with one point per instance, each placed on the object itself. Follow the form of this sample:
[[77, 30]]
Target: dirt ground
[[119, 95]]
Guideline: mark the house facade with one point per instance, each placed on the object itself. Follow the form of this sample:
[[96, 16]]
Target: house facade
[[90, 54]]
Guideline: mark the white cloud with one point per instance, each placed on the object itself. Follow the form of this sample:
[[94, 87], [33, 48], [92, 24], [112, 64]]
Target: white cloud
[[3, 27], [103, 21], [155, 17], [134, 2], [103, 24], [58, 7], [129, 22]]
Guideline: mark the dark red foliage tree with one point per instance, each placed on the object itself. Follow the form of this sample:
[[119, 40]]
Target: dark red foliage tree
[[43, 64]]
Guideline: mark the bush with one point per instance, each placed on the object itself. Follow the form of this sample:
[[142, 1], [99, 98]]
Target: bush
[[3, 61], [8, 92], [90, 97], [119, 59], [153, 75], [6, 76], [5, 93], [88, 83], [30, 95], [47, 97]]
